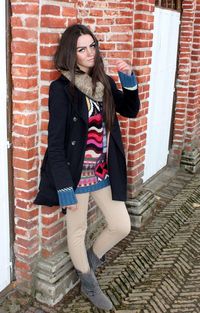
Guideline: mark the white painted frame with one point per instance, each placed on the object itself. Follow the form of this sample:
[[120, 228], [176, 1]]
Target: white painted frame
[[5, 275]]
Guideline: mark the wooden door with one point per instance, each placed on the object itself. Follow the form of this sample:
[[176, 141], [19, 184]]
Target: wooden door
[[163, 70]]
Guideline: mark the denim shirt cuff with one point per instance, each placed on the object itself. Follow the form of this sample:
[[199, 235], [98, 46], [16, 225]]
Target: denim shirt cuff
[[66, 196], [127, 81]]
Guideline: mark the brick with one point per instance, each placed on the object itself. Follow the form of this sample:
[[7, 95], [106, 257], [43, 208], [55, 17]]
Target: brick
[[26, 185], [47, 50], [24, 153], [119, 38], [22, 265], [24, 95], [24, 142], [143, 25], [44, 90], [32, 9], [53, 22], [26, 195], [21, 204], [26, 243], [123, 21], [25, 174], [143, 17], [26, 224], [50, 210], [25, 83], [49, 220], [118, 5], [24, 71], [69, 12], [31, 22], [24, 164], [50, 10], [50, 75], [26, 215], [27, 119], [25, 131], [23, 47], [24, 33], [102, 29], [99, 21], [49, 38], [97, 13], [16, 21], [144, 7], [50, 231]]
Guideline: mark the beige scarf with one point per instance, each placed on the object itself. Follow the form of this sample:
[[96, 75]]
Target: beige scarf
[[84, 83]]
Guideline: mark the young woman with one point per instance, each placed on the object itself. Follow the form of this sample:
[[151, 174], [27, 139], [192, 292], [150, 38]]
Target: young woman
[[85, 154]]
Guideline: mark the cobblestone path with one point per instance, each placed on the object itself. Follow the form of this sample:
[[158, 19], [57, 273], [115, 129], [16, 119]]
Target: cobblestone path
[[159, 270], [154, 270]]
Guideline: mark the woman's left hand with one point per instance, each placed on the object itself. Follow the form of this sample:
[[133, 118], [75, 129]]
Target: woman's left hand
[[124, 67]]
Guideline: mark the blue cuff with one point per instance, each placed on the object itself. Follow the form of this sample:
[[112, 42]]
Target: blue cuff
[[127, 80], [66, 196]]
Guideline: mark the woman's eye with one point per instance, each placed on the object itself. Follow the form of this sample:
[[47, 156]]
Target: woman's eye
[[93, 45], [81, 50]]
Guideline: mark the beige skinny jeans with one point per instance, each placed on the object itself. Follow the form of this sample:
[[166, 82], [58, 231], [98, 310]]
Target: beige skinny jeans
[[118, 226]]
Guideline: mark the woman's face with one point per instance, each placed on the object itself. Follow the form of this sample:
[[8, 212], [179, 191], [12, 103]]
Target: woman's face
[[85, 53]]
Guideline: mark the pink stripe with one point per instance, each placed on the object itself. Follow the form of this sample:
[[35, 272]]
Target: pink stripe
[[95, 143], [85, 182], [95, 136], [97, 117]]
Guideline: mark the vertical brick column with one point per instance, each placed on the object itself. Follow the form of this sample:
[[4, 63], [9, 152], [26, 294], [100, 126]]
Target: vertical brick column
[[193, 114], [25, 135], [183, 81], [142, 54], [54, 19], [197, 57]]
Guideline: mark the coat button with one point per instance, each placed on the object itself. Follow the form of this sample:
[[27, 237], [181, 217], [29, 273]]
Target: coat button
[[73, 142], [75, 119], [68, 163]]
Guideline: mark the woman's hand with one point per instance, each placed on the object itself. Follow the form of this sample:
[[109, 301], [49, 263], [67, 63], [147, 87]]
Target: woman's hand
[[124, 67]]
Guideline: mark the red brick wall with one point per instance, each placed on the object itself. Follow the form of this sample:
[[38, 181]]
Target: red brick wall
[[124, 29]]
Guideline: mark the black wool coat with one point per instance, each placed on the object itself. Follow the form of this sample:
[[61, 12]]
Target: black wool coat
[[67, 136]]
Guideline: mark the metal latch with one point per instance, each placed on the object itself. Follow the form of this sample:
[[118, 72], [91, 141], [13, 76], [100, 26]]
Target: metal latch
[[9, 144]]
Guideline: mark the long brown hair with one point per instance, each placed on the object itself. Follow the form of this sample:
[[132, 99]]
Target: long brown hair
[[65, 60]]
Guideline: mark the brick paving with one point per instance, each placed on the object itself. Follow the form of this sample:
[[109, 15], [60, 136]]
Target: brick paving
[[156, 269]]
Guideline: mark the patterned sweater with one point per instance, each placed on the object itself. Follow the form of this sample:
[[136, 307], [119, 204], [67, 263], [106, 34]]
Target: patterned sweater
[[94, 174]]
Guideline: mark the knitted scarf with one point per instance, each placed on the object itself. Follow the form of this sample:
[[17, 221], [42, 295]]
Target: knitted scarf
[[84, 83]]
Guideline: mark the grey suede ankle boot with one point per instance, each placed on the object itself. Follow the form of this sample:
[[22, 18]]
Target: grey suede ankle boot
[[93, 259], [91, 289]]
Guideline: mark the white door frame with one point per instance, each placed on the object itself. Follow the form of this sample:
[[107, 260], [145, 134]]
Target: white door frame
[[5, 264], [162, 82]]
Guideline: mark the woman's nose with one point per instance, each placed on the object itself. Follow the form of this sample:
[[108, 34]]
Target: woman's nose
[[90, 51]]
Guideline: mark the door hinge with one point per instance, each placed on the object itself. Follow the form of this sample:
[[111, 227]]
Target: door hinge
[[11, 267], [9, 144]]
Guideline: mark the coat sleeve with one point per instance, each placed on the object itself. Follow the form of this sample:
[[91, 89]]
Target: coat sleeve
[[59, 110], [127, 102]]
